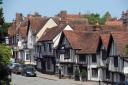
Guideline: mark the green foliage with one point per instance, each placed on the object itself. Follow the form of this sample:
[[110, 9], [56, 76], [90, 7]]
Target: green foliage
[[1, 22], [1, 16], [126, 50], [77, 74], [106, 15], [3, 82], [5, 54], [4, 72], [4, 29], [93, 18], [83, 73], [3, 25], [96, 18], [104, 18], [0, 1]]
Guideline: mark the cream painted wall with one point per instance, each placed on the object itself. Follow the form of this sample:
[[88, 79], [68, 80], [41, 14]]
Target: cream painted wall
[[125, 67], [30, 39], [57, 38], [68, 28], [49, 24]]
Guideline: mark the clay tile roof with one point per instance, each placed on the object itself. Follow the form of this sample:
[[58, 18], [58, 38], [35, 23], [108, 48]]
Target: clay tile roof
[[24, 23], [105, 37], [82, 27], [120, 39], [75, 17], [72, 38], [12, 29], [114, 23], [113, 28], [91, 40], [87, 42], [23, 32], [56, 19], [37, 23], [50, 33]]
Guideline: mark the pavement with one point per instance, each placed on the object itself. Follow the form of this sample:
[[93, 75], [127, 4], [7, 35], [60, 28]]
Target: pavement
[[71, 81]]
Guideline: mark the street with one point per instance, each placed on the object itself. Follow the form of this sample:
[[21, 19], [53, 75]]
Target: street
[[44, 79], [39, 80]]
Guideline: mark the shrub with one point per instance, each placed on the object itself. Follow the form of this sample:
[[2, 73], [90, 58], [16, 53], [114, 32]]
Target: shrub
[[77, 74], [83, 74]]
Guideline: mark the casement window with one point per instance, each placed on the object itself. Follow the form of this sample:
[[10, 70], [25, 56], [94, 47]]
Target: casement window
[[48, 64], [25, 45], [62, 49], [38, 48], [94, 59], [67, 54], [116, 61], [104, 54], [14, 39], [107, 74], [50, 47], [27, 56], [94, 72], [113, 49], [82, 58], [44, 46]]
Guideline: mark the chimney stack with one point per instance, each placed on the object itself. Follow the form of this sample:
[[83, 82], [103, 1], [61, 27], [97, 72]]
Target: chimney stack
[[19, 17]]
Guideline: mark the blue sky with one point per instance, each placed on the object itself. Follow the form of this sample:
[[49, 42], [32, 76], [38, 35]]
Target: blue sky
[[52, 7]]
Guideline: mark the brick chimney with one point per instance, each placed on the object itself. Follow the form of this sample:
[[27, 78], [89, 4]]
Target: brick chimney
[[125, 18], [19, 17], [63, 15]]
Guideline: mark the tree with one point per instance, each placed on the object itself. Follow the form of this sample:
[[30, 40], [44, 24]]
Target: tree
[[5, 54], [96, 18], [3, 25], [1, 14], [83, 74], [107, 15], [93, 18], [1, 17], [1, 21], [104, 18], [0, 1], [77, 74]]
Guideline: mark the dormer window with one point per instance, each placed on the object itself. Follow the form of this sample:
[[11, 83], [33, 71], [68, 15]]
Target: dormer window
[[94, 59], [44, 46], [50, 47], [103, 54], [67, 53], [62, 49], [116, 61]]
